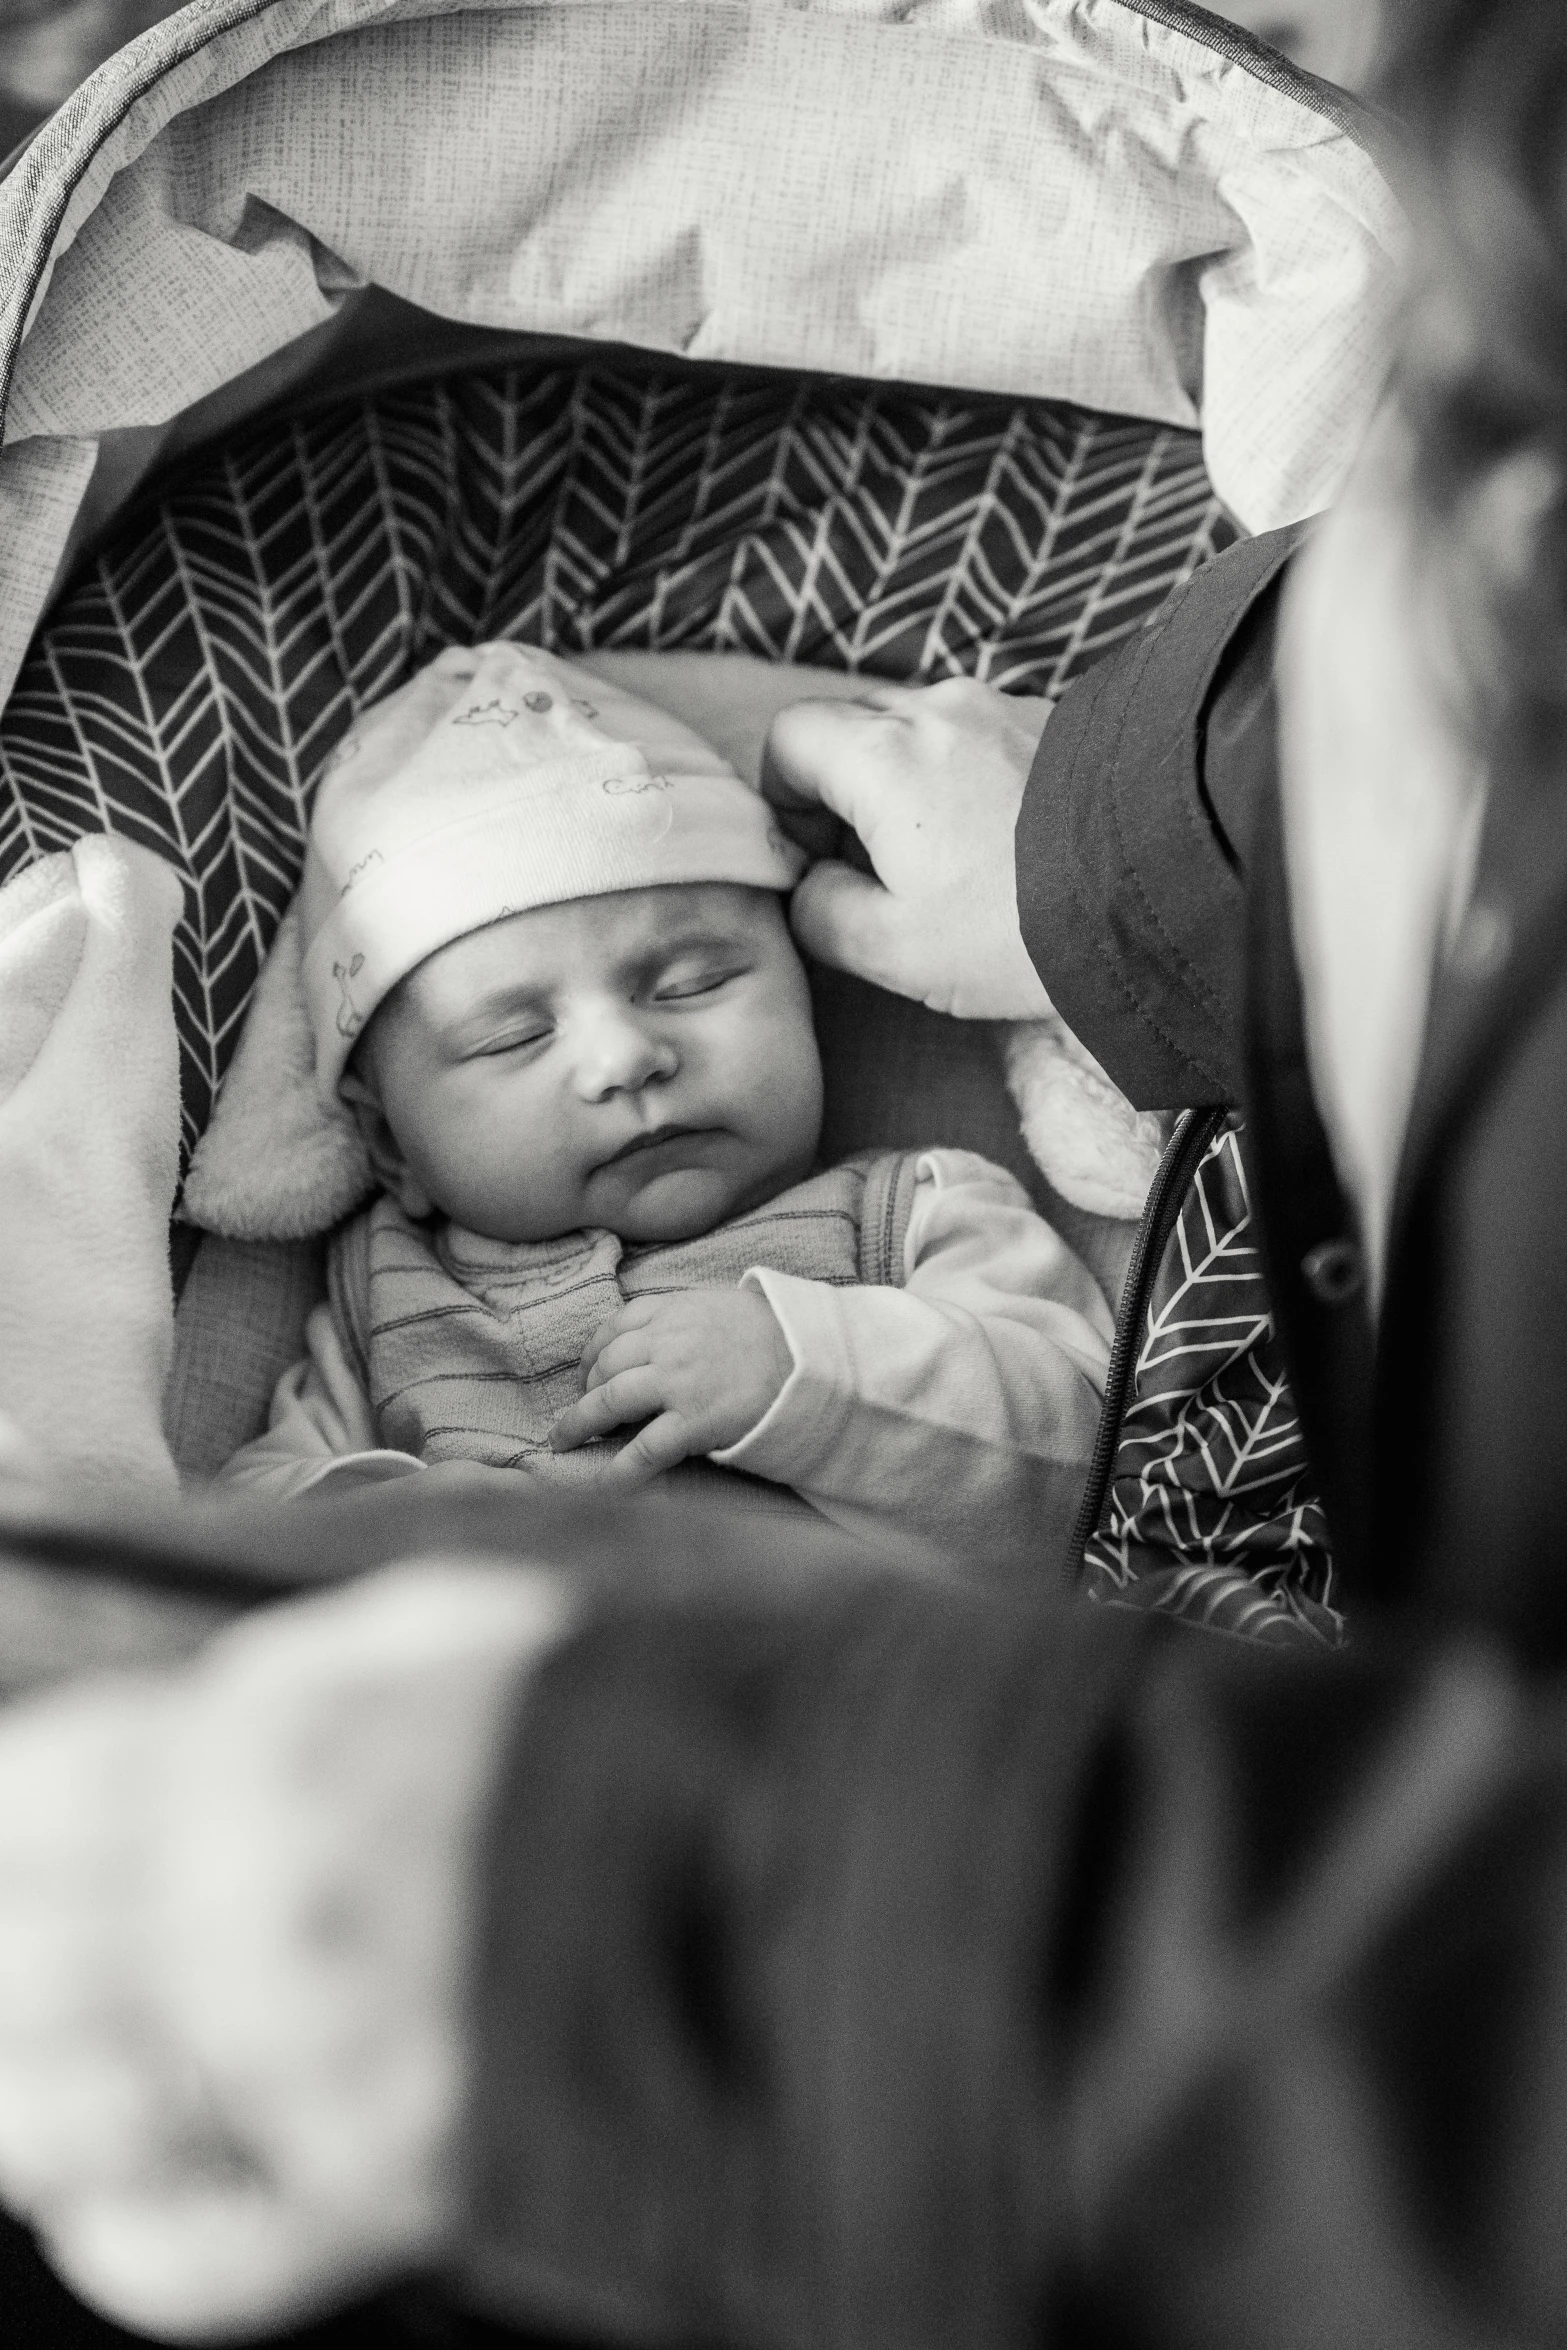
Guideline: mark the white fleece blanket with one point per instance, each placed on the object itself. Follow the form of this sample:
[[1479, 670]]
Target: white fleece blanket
[[89, 1139]]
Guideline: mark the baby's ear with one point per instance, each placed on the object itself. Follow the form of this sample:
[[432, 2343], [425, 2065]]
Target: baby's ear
[[382, 1149]]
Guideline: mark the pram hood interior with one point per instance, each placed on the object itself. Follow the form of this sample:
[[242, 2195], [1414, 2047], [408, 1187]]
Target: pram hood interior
[[1128, 206]]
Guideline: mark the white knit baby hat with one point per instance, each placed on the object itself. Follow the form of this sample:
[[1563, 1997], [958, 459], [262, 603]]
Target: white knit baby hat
[[494, 782]]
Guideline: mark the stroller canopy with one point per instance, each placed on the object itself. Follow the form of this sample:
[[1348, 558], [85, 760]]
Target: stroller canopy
[[1132, 207]]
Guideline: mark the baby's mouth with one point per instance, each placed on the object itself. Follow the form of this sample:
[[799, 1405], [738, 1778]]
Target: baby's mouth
[[654, 1139]]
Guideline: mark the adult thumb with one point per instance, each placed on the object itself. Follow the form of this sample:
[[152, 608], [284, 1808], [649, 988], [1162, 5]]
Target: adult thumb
[[847, 919]]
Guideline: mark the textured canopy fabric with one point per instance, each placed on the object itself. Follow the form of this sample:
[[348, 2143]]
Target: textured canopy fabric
[[1105, 203]]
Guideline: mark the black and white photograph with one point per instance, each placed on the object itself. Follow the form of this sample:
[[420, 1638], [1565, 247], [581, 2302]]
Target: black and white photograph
[[783, 1107]]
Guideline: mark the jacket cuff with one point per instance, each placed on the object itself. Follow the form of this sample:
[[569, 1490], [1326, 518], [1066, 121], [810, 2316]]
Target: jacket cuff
[[759, 1876], [1132, 835], [805, 1417]]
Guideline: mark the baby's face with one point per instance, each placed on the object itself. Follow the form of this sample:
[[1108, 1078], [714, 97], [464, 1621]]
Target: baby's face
[[643, 1063]]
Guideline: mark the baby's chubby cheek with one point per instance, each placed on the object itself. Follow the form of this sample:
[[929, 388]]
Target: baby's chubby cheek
[[784, 1079]]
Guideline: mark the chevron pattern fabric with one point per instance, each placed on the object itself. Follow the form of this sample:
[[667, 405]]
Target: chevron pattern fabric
[[193, 682], [1211, 1514]]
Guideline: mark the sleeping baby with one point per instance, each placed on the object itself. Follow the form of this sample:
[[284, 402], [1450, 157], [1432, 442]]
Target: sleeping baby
[[548, 967]]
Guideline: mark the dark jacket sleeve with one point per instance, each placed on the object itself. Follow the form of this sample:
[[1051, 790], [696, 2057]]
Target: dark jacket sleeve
[[1132, 841], [761, 1892], [888, 1969]]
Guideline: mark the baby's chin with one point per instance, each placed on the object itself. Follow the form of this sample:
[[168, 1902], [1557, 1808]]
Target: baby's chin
[[679, 1190], [677, 1203]]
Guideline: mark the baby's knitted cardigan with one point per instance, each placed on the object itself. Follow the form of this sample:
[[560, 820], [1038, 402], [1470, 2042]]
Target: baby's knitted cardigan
[[470, 1349]]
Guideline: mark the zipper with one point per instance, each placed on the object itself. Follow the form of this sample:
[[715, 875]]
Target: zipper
[[1187, 1147]]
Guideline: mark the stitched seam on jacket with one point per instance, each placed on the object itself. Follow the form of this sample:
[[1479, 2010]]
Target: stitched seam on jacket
[[1196, 989], [1128, 994], [1195, 985]]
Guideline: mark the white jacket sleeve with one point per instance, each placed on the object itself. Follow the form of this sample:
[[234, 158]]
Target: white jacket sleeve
[[320, 1432], [961, 1410]]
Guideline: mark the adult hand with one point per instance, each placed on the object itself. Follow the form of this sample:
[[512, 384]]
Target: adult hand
[[700, 1367], [236, 1914], [931, 778]]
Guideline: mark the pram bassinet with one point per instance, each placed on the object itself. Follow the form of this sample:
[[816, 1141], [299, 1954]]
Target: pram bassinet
[[333, 332]]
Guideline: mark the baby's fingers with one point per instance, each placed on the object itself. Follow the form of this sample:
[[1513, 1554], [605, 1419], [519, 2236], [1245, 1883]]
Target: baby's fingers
[[629, 1351], [631, 1395], [659, 1446], [635, 1316]]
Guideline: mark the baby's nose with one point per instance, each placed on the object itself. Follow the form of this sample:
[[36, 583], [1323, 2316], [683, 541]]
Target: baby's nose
[[621, 1054]]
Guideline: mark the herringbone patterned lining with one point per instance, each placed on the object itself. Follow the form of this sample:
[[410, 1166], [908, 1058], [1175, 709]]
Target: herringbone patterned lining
[[1211, 1513], [194, 681]]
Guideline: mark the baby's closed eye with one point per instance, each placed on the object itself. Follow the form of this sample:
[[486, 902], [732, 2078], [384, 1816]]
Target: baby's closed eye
[[512, 1040], [703, 979]]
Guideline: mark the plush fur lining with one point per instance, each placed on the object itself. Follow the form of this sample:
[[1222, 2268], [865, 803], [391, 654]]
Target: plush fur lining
[[1081, 1130], [274, 1164]]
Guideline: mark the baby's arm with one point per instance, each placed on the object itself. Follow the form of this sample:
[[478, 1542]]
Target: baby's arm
[[961, 1409], [320, 1433]]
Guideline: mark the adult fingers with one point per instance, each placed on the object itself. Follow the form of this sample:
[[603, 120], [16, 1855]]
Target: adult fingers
[[633, 1395], [107, 2112], [655, 1448], [68, 1959], [86, 2119], [815, 755], [849, 920], [71, 1766], [203, 2256]]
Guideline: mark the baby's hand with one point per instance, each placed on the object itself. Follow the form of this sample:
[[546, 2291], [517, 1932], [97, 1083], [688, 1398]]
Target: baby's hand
[[700, 1366]]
